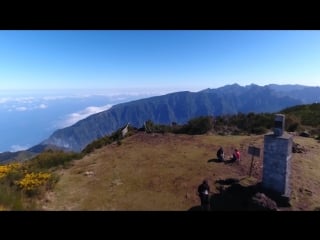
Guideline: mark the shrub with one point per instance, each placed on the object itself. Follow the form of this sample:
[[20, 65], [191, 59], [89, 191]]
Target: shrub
[[9, 168], [245, 123], [49, 159], [198, 125], [99, 143], [31, 182], [10, 199], [259, 130]]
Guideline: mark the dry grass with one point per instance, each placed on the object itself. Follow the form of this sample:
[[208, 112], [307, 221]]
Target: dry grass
[[305, 179], [162, 172]]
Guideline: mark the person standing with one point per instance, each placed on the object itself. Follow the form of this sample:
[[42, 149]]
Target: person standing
[[203, 191]]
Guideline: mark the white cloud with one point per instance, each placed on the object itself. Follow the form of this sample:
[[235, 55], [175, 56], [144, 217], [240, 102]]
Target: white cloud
[[53, 97], [27, 108], [4, 100], [77, 116], [42, 106], [25, 99], [16, 148], [21, 109]]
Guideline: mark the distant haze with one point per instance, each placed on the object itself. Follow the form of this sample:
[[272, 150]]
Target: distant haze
[[27, 118]]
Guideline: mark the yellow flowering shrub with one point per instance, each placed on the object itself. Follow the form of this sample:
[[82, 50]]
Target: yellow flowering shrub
[[6, 169], [3, 208], [32, 181]]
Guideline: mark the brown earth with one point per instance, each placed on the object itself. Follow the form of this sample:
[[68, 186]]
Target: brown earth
[[163, 171]]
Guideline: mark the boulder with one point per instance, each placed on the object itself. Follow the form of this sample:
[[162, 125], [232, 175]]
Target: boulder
[[261, 202], [297, 148], [305, 134]]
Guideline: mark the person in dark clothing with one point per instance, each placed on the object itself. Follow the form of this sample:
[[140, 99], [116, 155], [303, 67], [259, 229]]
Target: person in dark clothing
[[220, 154], [203, 191]]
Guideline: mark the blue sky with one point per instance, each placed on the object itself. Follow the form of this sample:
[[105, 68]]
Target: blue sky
[[174, 60]]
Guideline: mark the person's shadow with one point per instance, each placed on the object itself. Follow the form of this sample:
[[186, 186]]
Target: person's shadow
[[234, 197], [230, 161], [227, 181], [216, 160], [195, 208]]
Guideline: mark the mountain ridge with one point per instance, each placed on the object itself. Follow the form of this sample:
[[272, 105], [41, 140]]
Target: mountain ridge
[[176, 107]]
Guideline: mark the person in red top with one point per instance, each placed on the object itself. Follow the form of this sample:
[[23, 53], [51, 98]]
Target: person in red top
[[236, 155]]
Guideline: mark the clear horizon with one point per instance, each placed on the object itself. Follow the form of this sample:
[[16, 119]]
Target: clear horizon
[[175, 60], [77, 92]]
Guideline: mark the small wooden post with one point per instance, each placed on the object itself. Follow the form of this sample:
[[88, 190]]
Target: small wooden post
[[251, 165], [254, 151]]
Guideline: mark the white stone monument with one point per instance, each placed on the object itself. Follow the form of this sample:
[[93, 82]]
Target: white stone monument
[[277, 156]]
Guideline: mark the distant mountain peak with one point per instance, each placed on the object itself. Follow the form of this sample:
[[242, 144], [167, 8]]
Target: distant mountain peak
[[231, 86], [253, 85]]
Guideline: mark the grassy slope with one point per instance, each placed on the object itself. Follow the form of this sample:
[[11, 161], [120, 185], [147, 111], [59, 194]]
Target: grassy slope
[[162, 172]]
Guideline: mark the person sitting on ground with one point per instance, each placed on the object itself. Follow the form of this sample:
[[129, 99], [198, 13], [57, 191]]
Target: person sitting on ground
[[236, 155], [203, 191], [220, 154]]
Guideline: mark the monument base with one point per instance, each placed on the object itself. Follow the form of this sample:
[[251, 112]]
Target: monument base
[[277, 163]]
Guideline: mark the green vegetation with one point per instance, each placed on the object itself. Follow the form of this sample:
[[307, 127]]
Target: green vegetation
[[106, 140], [306, 114], [240, 123], [304, 118], [50, 159], [151, 127], [199, 125], [250, 123], [21, 184]]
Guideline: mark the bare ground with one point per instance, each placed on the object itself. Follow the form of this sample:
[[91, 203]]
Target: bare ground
[[163, 171]]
